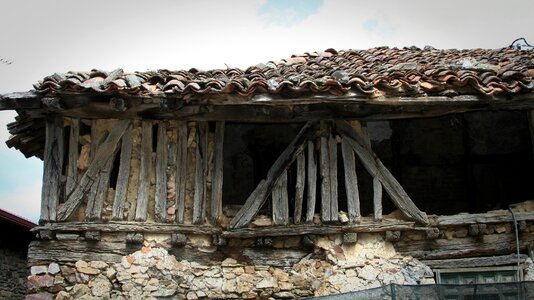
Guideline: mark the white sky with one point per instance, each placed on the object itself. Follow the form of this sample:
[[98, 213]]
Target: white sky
[[43, 37]]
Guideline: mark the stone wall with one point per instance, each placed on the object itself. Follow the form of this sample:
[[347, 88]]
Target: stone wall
[[12, 274], [152, 273]]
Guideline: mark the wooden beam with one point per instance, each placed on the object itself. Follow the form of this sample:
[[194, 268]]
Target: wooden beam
[[280, 201], [121, 188], [312, 182], [351, 182], [52, 168], [377, 200], [260, 194], [377, 169], [72, 167], [324, 172], [127, 226], [332, 159], [99, 189], [93, 171], [144, 171], [475, 262], [530, 115], [181, 171], [499, 216], [201, 169], [217, 179], [299, 187], [161, 173]]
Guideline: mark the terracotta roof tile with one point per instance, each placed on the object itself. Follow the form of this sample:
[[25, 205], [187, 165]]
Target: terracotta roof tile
[[368, 73]]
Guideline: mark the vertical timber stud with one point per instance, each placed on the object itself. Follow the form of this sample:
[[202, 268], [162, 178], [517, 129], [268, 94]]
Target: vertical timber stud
[[181, 171], [217, 180], [530, 115], [72, 167], [280, 201], [53, 164], [201, 165], [324, 169], [146, 162], [123, 176], [161, 173], [377, 200], [312, 182], [299, 187], [351, 182], [99, 189], [332, 156]]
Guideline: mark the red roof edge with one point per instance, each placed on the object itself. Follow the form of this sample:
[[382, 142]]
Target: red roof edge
[[4, 215]]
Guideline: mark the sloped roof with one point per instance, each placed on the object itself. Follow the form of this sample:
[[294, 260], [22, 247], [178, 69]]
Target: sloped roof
[[14, 219], [368, 73]]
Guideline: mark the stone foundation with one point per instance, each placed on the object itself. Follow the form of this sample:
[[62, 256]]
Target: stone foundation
[[152, 273]]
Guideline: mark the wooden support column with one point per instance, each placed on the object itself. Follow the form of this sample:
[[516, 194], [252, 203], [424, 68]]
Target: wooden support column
[[144, 171], [280, 201], [299, 187], [201, 169], [351, 182], [161, 173], [217, 179], [123, 176], [97, 166], [72, 167], [332, 158], [99, 189], [52, 168], [181, 171], [377, 200], [312, 182], [324, 172], [530, 115]]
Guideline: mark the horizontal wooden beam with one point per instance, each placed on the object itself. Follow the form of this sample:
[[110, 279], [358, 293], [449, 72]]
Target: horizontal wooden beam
[[474, 262], [116, 226], [502, 216]]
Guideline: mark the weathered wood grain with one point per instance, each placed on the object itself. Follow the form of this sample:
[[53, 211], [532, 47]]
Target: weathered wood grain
[[324, 172], [93, 171], [475, 262], [260, 194], [217, 178], [144, 169], [351, 182], [332, 160], [280, 201], [377, 200], [128, 226], [99, 189], [377, 169], [123, 176], [181, 171], [299, 187], [52, 168], [161, 173], [72, 167], [500, 216], [201, 166], [312, 182]]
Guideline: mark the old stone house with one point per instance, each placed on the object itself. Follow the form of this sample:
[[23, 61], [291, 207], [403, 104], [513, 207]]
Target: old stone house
[[323, 173]]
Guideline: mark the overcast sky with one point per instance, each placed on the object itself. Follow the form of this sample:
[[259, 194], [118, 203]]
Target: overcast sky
[[44, 37]]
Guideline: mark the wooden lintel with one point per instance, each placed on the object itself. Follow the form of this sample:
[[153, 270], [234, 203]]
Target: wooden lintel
[[144, 171], [128, 226], [97, 164], [52, 169]]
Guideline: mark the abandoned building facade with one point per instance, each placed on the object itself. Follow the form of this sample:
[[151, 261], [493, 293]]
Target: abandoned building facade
[[323, 173]]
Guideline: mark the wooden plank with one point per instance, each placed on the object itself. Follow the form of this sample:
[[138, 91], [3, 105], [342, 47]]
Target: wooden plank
[[72, 167], [94, 140], [181, 171], [351, 182], [312, 182], [377, 169], [324, 172], [280, 201], [332, 159], [93, 171], [486, 245], [475, 262], [377, 200], [127, 226], [144, 171], [161, 173], [499, 216], [99, 189], [217, 179], [201, 160], [259, 195], [121, 188], [52, 168], [530, 115], [299, 187]]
